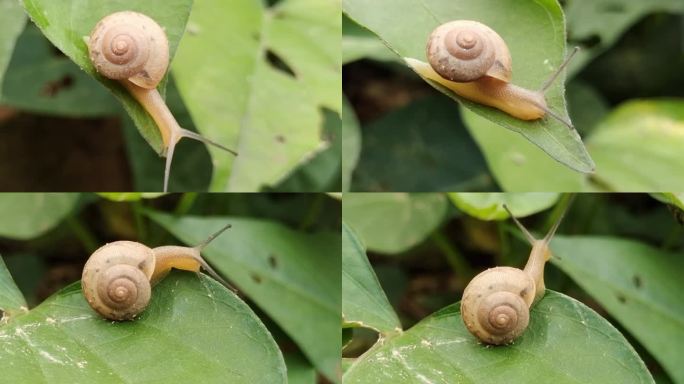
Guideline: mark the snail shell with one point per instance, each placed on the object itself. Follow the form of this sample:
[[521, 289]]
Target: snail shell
[[130, 45], [495, 304], [466, 50], [116, 279]]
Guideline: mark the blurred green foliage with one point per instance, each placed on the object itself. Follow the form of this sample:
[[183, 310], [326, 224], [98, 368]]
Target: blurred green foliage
[[282, 239], [619, 254], [631, 60], [280, 92]]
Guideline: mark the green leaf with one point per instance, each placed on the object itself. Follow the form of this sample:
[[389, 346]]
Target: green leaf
[[359, 43], [420, 148], [321, 173], [586, 105], [12, 302], [565, 342], [29, 215], [676, 199], [489, 206], [235, 71], [638, 285], [299, 371], [129, 196], [393, 222], [39, 81], [67, 22], [364, 303], [638, 147], [517, 165], [193, 330], [351, 143], [535, 38], [12, 20], [294, 277], [597, 25]]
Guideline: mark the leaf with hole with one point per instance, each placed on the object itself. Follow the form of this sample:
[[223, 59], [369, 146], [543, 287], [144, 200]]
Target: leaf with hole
[[257, 79]]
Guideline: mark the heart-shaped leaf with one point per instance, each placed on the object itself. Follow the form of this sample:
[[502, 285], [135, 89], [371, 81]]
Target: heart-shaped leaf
[[194, 330], [293, 276], [565, 342], [364, 303], [255, 79], [535, 38], [67, 22]]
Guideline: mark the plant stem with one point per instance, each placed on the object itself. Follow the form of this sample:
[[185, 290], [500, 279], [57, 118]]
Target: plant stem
[[139, 220], [186, 202], [83, 234], [458, 263]]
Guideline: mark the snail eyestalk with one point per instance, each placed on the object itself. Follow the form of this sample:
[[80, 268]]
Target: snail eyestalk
[[558, 71], [206, 265]]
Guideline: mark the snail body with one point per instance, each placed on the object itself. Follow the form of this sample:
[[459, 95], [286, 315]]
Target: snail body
[[496, 303], [118, 277], [473, 61], [133, 49]]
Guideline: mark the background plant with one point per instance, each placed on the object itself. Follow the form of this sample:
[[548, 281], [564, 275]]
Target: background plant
[[617, 254], [239, 69], [282, 254], [623, 94]]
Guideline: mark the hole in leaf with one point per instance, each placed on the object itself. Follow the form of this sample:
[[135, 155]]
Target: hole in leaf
[[278, 63], [590, 41], [637, 281], [52, 88], [272, 261]]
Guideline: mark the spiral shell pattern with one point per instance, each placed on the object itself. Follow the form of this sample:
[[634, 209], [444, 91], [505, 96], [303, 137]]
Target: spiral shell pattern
[[495, 304], [129, 45], [116, 279], [466, 50]]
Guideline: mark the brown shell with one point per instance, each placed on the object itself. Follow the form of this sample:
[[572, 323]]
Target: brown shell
[[130, 45], [466, 50], [116, 279], [495, 304]]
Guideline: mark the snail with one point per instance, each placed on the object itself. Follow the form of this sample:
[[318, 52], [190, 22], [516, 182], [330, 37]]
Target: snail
[[133, 49], [118, 277], [473, 61], [496, 303]]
